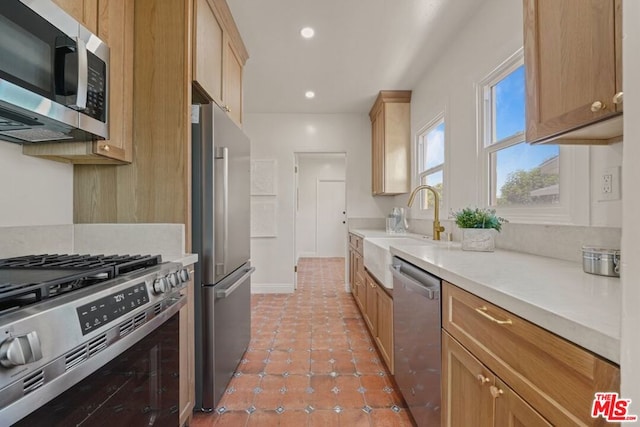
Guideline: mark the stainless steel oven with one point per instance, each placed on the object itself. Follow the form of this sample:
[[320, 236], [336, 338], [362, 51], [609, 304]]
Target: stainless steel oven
[[138, 388], [85, 340], [54, 75]]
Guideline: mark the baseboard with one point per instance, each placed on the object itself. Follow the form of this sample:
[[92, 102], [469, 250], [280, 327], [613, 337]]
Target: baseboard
[[271, 288]]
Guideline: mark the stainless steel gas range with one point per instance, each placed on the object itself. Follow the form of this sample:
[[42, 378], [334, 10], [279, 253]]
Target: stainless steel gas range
[[83, 337]]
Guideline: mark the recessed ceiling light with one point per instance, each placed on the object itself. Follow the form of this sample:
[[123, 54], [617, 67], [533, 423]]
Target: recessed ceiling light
[[310, 94], [307, 32]]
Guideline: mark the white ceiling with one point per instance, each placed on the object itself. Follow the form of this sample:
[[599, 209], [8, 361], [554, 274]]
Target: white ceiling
[[359, 48]]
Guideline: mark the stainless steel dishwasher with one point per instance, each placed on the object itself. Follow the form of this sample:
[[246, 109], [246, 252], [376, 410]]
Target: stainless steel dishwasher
[[416, 338]]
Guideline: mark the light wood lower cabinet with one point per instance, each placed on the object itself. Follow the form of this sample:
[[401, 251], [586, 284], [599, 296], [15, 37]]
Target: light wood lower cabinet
[[187, 369], [370, 313], [378, 315], [356, 270], [375, 304], [384, 336], [474, 396], [534, 377]]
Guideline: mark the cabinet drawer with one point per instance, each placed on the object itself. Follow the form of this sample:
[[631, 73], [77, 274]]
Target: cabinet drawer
[[556, 377], [356, 242]]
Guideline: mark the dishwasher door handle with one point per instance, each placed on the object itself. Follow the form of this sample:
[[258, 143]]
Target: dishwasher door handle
[[413, 285]]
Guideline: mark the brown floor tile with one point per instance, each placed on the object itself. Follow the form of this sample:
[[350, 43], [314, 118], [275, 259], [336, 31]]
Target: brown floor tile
[[317, 330], [233, 419], [324, 418], [354, 418], [264, 419]]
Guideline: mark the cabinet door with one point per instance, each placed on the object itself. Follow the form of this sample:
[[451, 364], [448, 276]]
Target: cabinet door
[[84, 11], [377, 152], [115, 27], [232, 91], [572, 72], [511, 410], [371, 305], [384, 337], [466, 395], [207, 51], [187, 369]]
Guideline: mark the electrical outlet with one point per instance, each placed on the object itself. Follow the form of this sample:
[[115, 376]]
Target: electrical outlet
[[610, 184]]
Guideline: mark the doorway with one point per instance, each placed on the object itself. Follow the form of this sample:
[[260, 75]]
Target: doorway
[[320, 208]]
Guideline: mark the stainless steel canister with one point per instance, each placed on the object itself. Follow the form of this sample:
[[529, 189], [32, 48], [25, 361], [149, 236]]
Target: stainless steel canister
[[605, 262]]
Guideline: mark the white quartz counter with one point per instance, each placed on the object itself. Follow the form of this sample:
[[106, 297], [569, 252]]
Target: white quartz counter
[[555, 295]]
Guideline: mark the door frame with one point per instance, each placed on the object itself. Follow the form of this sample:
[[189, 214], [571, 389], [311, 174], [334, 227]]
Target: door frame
[[294, 225]]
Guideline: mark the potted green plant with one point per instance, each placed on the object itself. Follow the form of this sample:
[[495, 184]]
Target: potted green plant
[[479, 227]]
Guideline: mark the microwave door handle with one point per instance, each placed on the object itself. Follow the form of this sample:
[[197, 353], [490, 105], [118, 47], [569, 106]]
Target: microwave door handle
[[83, 75]]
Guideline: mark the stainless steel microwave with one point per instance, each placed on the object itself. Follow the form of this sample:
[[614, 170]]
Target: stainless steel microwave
[[54, 75]]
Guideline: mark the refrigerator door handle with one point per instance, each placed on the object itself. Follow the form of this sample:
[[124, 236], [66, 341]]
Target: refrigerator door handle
[[222, 153], [224, 293]]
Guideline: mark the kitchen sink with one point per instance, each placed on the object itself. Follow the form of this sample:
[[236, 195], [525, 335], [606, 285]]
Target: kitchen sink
[[377, 257]]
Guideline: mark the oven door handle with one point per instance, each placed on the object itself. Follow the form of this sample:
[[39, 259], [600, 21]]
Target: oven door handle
[[224, 293]]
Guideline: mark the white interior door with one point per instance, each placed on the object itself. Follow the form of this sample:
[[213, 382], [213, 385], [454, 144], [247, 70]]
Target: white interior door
[[331, 219]]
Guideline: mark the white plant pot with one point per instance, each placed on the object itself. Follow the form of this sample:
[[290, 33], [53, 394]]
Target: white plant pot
[[478, 239]]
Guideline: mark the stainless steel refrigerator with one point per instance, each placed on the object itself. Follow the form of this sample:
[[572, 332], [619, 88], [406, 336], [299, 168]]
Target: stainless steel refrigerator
[[220, 203]]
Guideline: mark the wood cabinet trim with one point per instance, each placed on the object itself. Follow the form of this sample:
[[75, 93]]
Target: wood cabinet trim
[[224, 13]]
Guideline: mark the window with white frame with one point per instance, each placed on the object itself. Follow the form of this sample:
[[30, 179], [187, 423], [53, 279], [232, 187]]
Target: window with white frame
[[430, 154], [518, 175]]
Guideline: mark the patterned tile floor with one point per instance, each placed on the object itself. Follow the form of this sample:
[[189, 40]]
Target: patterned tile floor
[[311, 362]]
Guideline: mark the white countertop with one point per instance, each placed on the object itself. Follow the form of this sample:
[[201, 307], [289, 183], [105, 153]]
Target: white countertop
[[554, 294], [186, 259]]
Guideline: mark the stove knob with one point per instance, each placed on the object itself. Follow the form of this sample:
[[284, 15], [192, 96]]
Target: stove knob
[[20, 350], [160, 285], [173, 279], [184, 275]]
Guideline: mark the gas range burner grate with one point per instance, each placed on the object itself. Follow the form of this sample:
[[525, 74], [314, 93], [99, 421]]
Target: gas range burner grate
[[28, 279]]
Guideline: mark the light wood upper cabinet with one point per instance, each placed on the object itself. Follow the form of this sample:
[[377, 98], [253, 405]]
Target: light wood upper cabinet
[[391, 143], [112, 21], [573, 61], [232, 90], [84, 11], [219, 56], [207, 50]]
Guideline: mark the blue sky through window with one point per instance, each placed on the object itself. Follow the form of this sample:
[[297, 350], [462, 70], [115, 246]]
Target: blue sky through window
[[509, 98]]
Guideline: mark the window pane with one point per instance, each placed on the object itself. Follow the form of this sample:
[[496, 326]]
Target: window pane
[[509, 98], [526, 175], [434, 153], [434, 180]]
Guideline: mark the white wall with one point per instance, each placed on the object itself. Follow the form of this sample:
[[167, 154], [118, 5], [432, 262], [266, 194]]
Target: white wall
[[34, 191], [312, 168], [485, 42], [630, 351], [279, 136]]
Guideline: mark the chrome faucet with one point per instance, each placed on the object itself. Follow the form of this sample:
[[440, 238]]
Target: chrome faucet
[[437, 228]]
